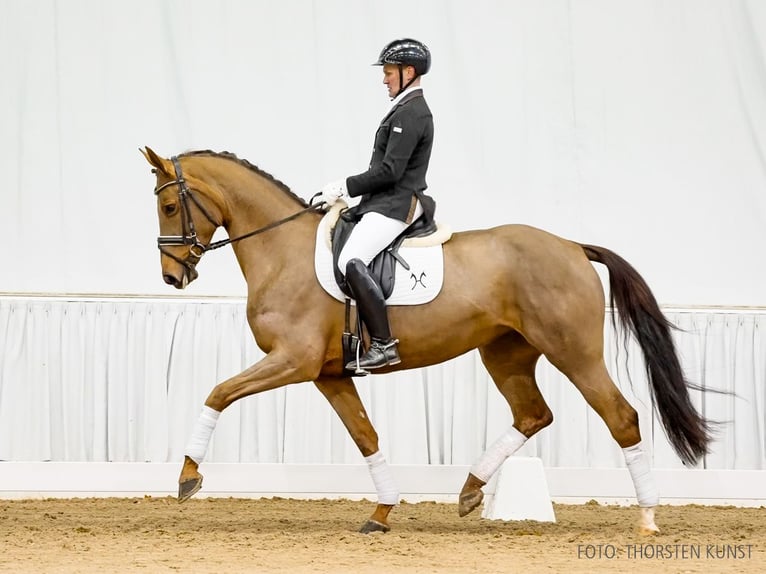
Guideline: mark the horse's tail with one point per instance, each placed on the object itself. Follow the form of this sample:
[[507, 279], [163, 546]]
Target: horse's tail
[[639, 313]]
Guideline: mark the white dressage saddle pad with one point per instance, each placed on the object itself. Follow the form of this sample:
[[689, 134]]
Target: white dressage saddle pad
[[419, 284]]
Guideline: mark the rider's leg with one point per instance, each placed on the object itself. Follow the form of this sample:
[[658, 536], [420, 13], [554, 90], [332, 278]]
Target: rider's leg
[[372, 308], [373, 233]]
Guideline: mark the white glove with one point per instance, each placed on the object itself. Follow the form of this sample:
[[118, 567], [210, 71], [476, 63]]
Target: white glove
[[334, 191]]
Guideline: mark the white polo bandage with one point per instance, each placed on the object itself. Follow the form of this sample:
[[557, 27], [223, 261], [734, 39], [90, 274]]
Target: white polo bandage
[[200, 437], [638, 466], [496, 454], [388, 493]]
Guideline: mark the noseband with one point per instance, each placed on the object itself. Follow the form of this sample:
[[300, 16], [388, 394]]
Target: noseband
[[189, 234]]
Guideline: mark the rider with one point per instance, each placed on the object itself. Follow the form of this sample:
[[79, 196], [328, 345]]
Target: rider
[[391, 190]]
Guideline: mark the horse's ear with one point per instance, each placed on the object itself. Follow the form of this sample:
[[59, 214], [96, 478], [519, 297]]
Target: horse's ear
[[155, 160]]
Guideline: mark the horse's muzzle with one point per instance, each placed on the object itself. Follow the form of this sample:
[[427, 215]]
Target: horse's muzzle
[[187, 276], [172, 280]]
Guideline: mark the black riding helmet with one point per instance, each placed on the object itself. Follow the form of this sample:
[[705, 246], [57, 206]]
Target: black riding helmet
[[406, 52]]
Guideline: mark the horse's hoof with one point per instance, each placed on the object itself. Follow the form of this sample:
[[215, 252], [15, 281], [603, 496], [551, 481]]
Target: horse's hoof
[[374, 526], [188, 488], [646, 526], [469, 501], [648, 530]]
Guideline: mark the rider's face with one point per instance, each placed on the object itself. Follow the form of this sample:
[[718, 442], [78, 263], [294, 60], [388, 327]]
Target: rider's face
[[391, 77]]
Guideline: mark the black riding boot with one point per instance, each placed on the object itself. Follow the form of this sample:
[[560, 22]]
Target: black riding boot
[[371, 306]]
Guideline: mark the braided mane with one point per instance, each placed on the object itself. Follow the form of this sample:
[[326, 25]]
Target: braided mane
[[243, 162]]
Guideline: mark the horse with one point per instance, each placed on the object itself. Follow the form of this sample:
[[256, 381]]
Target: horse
[[514, 292]]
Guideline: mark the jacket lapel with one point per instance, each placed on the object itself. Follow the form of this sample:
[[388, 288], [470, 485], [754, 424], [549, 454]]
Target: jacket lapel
[[411, 96]]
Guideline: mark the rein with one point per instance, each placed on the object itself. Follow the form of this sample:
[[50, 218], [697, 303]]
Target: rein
[[189, 234]]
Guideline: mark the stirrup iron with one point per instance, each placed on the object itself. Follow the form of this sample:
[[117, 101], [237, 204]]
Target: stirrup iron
[[359, 371]]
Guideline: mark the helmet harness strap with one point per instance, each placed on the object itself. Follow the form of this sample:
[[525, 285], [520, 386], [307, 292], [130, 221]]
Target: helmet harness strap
[[401, 80]]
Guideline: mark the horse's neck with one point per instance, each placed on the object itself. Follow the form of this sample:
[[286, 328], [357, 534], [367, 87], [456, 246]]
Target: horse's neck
[[254, 202]]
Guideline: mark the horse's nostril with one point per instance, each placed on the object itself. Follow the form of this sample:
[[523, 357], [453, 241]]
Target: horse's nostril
[[169, 279]]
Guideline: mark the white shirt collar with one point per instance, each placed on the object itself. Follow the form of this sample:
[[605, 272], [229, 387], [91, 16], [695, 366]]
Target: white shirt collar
[[400, 97]]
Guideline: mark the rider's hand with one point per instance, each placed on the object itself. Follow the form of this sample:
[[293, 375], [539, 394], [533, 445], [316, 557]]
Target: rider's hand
[[333, 191]]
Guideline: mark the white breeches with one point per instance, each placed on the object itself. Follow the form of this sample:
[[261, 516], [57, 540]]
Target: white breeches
[[371, 235]]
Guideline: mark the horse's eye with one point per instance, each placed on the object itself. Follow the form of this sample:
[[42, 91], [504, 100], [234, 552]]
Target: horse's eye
[[154, 170], [169, 209]]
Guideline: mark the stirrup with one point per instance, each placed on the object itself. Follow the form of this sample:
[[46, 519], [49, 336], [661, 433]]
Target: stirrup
[[354, 365]]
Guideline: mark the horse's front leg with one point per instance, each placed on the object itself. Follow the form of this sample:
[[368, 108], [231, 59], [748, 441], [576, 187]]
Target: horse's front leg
[[344, 398], [273, 371]]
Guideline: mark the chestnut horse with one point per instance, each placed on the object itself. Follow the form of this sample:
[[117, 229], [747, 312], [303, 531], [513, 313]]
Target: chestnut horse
[[513, 292]]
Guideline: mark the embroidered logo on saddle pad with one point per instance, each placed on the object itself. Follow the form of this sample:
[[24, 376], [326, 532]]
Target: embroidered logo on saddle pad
[[419, 284]]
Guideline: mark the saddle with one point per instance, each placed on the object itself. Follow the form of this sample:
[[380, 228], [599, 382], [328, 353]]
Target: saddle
[[383, 266]]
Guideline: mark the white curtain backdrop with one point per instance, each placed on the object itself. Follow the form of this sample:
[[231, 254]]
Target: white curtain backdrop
[[635, 124], [124, 380]]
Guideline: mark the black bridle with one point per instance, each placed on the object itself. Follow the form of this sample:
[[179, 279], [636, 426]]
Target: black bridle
[[188, 231]]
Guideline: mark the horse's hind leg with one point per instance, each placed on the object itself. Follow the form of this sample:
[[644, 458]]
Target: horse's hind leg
[[344, 398], [592, 380], [511, 362]]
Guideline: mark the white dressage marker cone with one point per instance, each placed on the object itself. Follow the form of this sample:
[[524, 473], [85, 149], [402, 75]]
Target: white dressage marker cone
[[521, 492]]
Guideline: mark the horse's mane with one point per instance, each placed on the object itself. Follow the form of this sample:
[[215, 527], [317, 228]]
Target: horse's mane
[[243, 162]]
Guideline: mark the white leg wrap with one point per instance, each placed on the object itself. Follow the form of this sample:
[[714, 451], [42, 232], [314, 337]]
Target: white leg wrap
[[203, 430], [388, 492], [638, 466], [495, 455]]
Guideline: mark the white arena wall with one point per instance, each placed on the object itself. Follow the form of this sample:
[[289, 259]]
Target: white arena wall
[[637, 125]]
